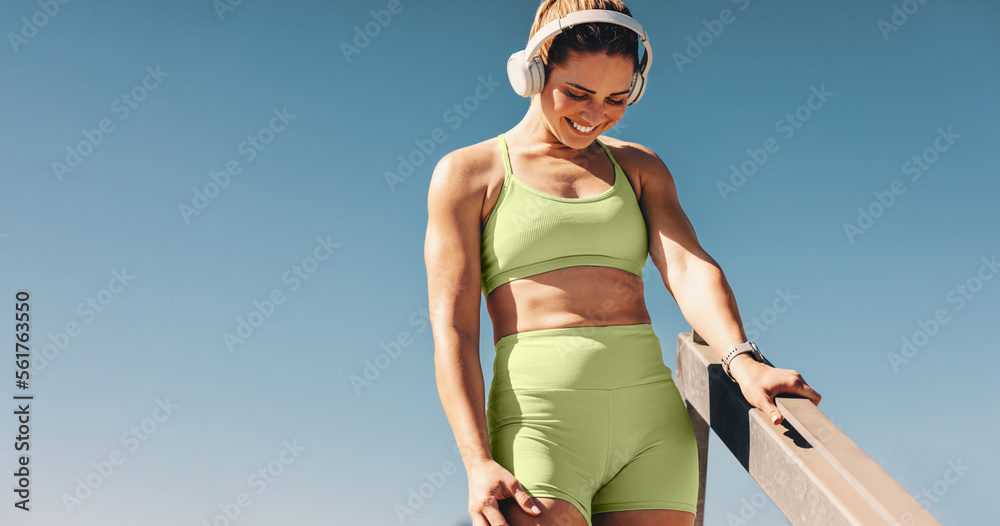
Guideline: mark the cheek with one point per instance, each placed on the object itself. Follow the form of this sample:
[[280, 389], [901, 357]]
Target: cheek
[[614, 113], [564, 105]]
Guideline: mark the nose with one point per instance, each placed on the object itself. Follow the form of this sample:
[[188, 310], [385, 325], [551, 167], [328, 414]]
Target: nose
[[593, 112]]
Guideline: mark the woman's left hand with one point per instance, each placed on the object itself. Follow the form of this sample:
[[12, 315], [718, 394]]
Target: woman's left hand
[[760, 383]]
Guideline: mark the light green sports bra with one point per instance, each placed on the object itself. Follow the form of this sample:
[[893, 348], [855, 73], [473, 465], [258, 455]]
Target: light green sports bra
[[530, 232]]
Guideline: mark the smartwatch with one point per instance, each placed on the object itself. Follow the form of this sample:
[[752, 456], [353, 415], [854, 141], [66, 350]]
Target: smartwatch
[[738, 349]]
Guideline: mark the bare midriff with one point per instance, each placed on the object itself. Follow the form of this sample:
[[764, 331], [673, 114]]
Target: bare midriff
[[570, 297]]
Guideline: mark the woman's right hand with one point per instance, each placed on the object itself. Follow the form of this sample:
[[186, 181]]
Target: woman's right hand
[[489, 483]]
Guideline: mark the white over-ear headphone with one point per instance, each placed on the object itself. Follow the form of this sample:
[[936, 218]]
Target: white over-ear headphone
[[527, 72]]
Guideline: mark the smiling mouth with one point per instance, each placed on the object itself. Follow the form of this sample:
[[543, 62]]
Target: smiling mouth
[[579, 128]]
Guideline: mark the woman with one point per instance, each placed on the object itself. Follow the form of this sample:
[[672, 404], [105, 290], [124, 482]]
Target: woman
[[584, 425]]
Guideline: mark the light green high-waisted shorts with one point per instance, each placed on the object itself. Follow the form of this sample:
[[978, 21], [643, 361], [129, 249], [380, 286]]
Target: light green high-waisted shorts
[[591, 415]]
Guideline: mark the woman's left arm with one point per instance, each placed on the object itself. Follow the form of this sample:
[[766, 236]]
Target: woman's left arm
[[700, 288]]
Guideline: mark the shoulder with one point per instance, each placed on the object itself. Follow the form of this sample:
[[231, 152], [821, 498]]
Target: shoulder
[[645, 169], [466, 173]]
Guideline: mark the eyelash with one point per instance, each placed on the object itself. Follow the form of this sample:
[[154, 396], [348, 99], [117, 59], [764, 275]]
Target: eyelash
[[582, 97]]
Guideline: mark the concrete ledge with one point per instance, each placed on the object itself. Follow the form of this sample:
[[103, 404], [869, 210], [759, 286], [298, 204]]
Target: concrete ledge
[[808, 467]]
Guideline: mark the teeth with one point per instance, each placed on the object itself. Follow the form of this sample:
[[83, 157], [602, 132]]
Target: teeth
[[581, 128]]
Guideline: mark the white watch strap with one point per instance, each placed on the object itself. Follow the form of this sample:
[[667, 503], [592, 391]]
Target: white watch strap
[[736, 350]]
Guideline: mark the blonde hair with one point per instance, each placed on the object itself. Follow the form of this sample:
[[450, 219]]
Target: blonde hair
[[595, 37]]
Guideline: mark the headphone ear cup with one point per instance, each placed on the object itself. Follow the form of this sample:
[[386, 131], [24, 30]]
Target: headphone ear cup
[[517, 73], [536, 74], [638, 87], [527, 78]]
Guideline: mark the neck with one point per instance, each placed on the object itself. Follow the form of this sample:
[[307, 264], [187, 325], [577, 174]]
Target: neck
[[534, 133]]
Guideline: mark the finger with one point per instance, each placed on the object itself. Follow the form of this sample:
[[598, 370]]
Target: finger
[[493, 515], [771, 411], [479, 520], [810, 393], [793, 383], [798, 386], [524, 500]]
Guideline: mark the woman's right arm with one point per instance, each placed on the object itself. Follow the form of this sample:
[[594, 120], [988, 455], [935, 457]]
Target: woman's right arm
[[451, 254]]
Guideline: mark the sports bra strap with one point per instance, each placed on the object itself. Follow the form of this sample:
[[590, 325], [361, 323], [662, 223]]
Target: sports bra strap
[[606, 230], [506, 157], [612, 157]]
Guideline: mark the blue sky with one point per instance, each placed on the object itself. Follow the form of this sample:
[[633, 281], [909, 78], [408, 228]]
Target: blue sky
[[226, 174]]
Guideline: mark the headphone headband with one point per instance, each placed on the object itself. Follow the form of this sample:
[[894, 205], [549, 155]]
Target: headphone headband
[[555, 27], [527, 72]]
